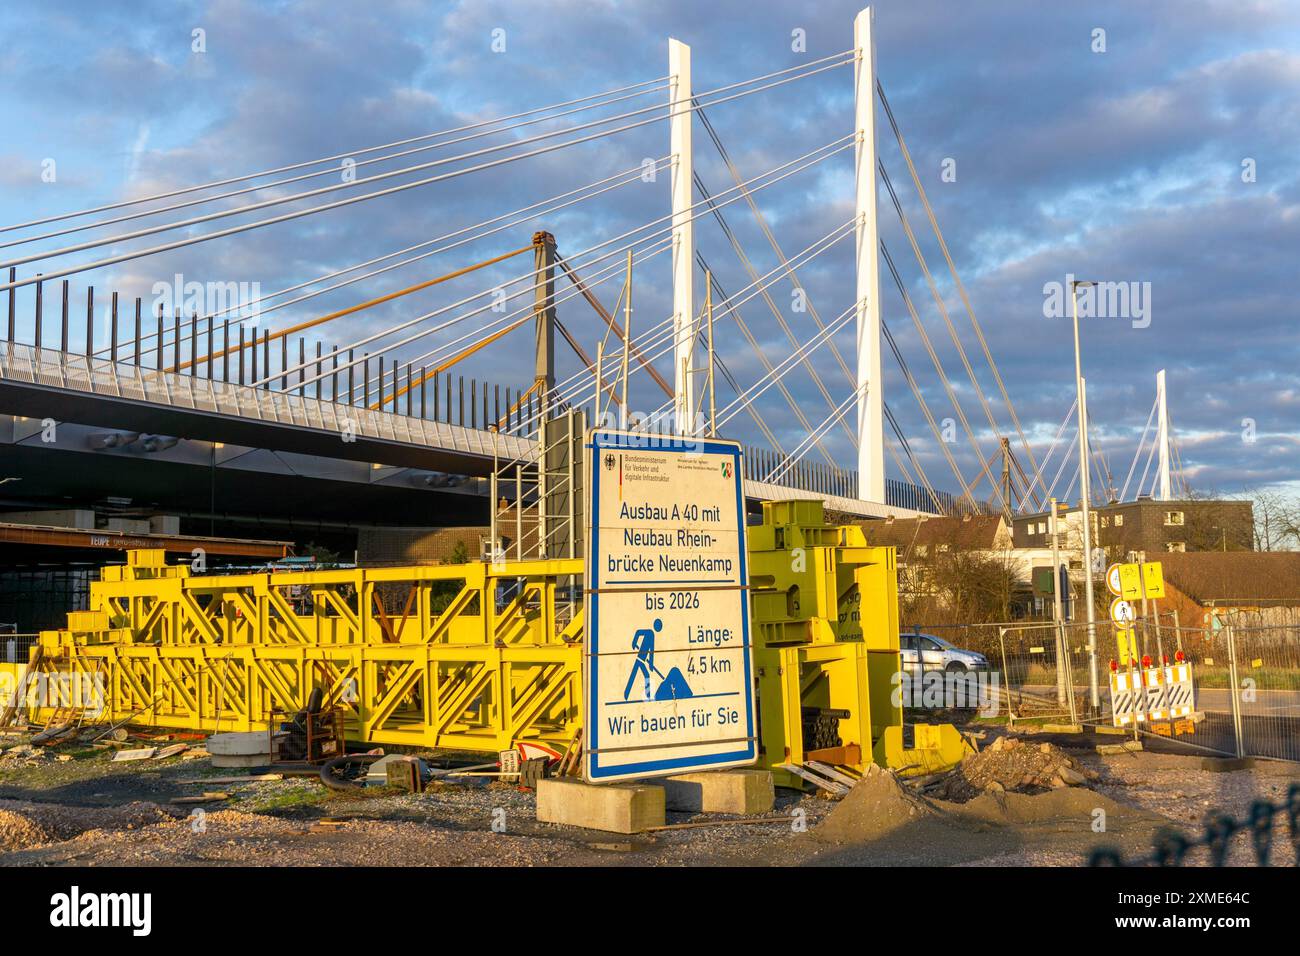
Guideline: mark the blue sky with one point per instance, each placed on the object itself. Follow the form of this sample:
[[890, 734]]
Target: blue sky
[[1124, 165]]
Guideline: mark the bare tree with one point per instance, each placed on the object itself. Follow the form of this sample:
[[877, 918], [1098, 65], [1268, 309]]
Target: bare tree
[[1277, 521]]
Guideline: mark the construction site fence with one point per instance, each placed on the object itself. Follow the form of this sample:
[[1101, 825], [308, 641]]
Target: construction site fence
[[1246, 677], [15, 648]]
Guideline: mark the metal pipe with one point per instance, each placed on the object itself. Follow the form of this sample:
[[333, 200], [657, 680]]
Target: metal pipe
[[1085, 504]]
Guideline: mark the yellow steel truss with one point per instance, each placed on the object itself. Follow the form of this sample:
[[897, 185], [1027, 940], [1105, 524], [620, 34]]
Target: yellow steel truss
[[480, 656], [474, 656]]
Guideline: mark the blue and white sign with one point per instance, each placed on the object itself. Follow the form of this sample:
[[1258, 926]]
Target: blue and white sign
[[668, 676]]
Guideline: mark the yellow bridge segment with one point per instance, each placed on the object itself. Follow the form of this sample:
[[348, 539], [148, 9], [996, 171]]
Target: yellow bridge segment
[[478, 656]]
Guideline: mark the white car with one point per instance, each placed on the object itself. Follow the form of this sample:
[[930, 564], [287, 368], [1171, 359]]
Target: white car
[[922, 653]]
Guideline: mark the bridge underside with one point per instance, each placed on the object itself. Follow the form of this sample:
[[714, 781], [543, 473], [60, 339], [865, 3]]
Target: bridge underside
[[240, 444]]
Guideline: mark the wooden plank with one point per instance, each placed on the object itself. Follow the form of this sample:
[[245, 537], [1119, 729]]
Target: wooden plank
[[251, 778], [831, 772], [143, 754], [830, 786], [204, 798]]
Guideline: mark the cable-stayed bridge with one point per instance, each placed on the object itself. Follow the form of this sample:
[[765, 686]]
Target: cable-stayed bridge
[[241, 376]]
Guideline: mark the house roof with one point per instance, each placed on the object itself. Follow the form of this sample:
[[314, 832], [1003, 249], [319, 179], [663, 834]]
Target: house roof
[[971, 533], [1235, 576]]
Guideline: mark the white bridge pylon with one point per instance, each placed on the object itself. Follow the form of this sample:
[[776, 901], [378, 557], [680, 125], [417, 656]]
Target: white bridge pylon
[[870, 395]]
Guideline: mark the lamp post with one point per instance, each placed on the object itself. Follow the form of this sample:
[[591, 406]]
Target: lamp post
[[1085, 502]]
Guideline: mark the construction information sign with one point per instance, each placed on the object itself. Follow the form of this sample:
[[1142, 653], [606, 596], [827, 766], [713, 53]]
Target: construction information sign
[[668, 684]]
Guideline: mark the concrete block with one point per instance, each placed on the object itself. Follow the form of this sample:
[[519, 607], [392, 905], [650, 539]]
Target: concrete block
[[232, 761], [721, 791], [1227, 764], [1062, 728], [239, 743], [1110, 750], [615, 808]]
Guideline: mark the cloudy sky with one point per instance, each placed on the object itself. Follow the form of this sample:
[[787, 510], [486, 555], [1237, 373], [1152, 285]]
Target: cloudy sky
[[1152, 145]]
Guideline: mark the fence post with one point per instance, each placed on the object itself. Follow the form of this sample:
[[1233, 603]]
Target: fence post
[[1002, 643], [1235, 692]]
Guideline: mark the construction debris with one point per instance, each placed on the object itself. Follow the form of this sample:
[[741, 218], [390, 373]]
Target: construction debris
[[143, 754], [1009, 764]]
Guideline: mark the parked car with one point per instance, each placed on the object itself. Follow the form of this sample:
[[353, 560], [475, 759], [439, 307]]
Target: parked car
[[922, 653]]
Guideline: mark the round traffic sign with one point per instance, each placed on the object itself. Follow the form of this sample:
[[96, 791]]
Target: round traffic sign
[[1122, 613], [1112, 580]]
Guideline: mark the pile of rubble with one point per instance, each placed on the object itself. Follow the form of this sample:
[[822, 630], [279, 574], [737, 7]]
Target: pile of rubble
[[1012, 764], [29, 755]]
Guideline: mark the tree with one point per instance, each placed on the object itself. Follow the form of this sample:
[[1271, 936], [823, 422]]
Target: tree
[[1277, 521]]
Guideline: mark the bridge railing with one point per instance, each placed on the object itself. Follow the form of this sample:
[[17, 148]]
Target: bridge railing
[[52, 369]]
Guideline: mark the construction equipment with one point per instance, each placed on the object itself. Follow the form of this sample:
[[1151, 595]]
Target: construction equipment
[[486, 656], [825, 623]]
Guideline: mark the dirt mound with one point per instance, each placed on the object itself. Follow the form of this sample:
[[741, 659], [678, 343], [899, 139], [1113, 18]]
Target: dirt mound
[[1010, 764], [24, 824], [876, 806], [1069, 804]]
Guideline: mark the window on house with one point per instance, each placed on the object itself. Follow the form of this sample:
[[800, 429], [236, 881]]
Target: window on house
[[1105, 521], [1119, 520], [1173, 517], [1178, 546]]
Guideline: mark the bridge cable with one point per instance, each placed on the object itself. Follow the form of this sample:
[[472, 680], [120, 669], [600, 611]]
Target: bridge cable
[[1137, 452], [961, 287], [327, 159], [346, 184], [391, 190], [938, 367], [664, 331], [533, 211], [758, 351], [952, 332], [790, 168], [925, 409], [772, 307], [1041, 471]]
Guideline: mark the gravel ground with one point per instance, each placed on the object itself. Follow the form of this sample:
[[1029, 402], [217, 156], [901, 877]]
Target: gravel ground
[[89, 811]]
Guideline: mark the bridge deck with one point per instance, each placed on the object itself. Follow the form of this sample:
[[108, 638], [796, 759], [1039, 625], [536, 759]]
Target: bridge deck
[[43, 383]]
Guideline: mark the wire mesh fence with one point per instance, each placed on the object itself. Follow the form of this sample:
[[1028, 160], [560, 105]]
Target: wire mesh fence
[[1248, 688], [1245, 679], [1259, 839]]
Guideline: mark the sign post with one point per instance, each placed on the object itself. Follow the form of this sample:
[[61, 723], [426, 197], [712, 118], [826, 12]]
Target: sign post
[[668, 685]]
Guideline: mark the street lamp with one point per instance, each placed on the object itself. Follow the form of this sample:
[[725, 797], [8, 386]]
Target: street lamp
[[1084, 506]]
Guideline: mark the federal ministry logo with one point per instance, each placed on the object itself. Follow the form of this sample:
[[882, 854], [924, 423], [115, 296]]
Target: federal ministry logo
[[610, 461]]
